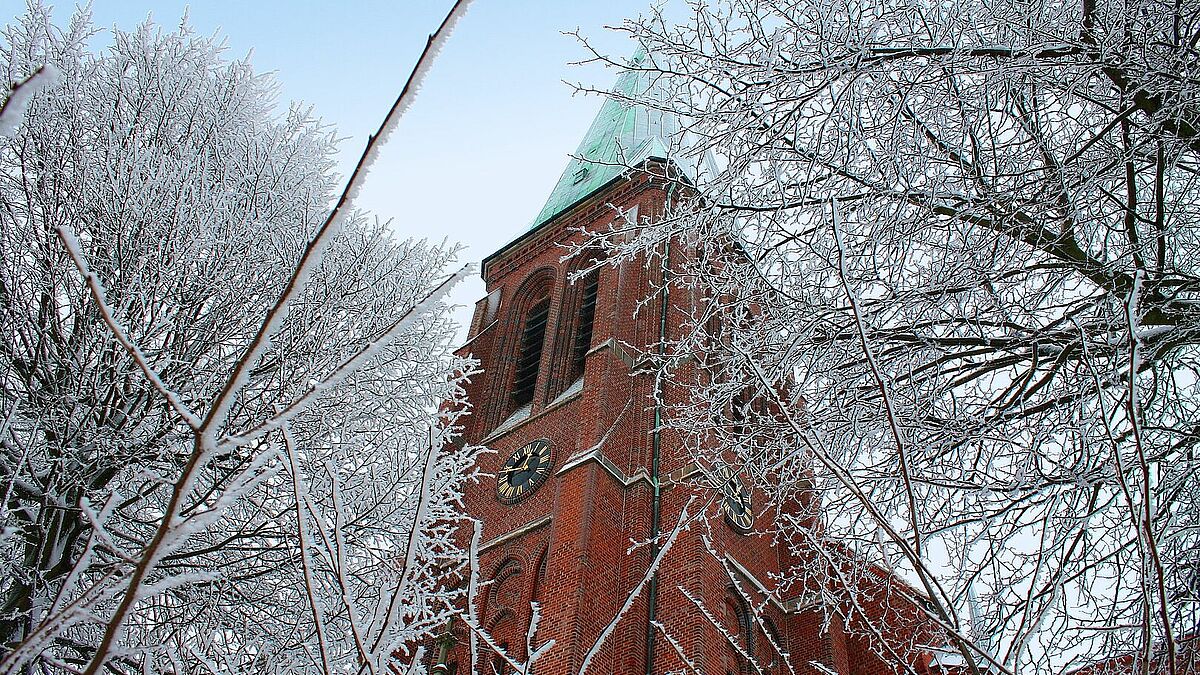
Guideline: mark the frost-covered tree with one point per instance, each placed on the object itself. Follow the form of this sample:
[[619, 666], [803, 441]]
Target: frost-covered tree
[[220, 441], [951, 260]]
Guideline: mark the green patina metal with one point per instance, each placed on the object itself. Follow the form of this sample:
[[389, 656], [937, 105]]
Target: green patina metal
[[623, 135]]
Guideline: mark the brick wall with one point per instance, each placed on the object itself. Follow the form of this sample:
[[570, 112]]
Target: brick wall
[[567, 546]]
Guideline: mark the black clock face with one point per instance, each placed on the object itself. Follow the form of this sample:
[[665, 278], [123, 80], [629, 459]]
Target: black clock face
[[735, 499], [524, 471]]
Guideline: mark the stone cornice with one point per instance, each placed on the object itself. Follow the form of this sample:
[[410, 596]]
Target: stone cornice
[[513, 534]]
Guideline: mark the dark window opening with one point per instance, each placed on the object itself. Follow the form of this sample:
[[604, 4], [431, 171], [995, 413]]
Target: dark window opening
[[738, 416], [583, 326], [532, 338]]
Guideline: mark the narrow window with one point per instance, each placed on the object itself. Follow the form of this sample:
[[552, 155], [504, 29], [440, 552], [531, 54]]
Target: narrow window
[[738, 412], [532, 337], [583, 326]]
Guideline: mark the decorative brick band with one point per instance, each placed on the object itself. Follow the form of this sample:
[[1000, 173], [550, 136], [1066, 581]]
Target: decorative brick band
[[513, 534], [594, 455]]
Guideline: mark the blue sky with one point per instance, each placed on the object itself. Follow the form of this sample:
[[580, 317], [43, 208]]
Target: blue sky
[[478, 153]]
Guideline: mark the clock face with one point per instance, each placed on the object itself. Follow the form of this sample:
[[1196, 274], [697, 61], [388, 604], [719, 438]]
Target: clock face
[[524, 471], [735, 499]]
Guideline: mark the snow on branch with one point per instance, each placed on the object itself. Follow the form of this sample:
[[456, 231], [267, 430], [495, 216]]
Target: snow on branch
[[71, 243], [422, 308], [170, 357], [313, 253], [680, 525], [12, 112]]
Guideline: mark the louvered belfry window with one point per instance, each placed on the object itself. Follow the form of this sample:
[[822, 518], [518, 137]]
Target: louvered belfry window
[[583, 326], [533, 335]]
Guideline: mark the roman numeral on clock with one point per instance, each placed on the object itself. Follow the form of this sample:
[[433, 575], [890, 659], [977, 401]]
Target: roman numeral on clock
[[524, 471]]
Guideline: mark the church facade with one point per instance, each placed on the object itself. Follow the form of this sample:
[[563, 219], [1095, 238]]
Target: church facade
[[581, 473]]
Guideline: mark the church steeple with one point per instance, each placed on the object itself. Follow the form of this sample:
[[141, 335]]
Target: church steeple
[[580, 466], [623, 134]]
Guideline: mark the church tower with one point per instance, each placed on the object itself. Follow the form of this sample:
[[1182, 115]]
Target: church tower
[[579, 469]]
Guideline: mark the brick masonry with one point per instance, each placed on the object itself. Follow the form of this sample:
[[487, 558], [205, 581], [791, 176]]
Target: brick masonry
[[567, 546]]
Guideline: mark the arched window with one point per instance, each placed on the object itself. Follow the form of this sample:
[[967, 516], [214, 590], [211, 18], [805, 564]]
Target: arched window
[[524, 340], [505, 590], [576, 325], [585, 318], [508, 598], [739, 406], [529, 351], [740, 625]]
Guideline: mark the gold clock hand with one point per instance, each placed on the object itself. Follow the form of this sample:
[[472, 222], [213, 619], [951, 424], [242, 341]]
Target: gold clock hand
[[529, 459], [523, 466]]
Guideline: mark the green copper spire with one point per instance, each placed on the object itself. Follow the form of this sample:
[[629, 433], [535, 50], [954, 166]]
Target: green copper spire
[[622, 135]]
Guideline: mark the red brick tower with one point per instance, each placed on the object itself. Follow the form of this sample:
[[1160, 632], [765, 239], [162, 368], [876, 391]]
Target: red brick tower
[[579, 471]]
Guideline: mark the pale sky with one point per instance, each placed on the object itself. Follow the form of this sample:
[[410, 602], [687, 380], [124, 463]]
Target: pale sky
[[477, 154]]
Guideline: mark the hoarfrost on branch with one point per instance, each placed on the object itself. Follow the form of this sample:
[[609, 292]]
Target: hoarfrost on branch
[[949, 260], [228, 413]]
